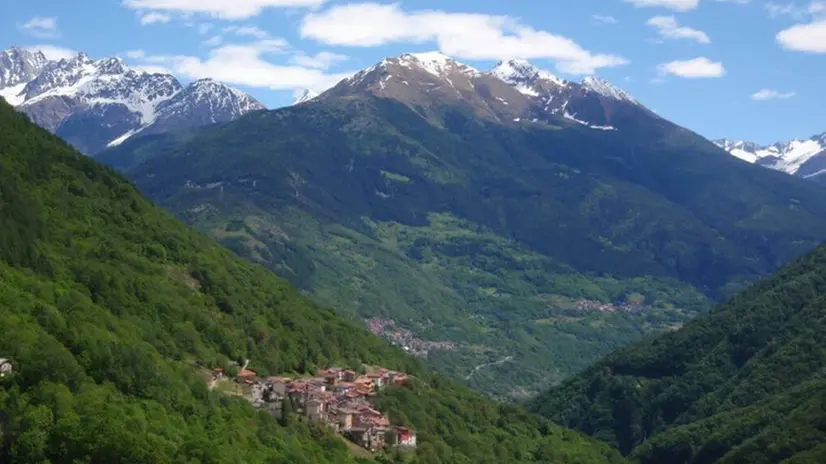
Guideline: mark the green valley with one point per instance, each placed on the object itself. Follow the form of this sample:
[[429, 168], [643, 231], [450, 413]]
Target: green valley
[[535, 249], [112, 310], [743, 383]]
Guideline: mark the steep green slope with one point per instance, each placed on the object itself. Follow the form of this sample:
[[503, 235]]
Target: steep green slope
[[744, 383], [111, 311], [482, 234]]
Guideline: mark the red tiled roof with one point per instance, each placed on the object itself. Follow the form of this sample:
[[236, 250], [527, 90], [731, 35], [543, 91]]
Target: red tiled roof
[[247, 373]]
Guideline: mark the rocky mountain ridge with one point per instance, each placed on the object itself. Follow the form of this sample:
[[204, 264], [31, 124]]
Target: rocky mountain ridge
[[799, 157], [95, 104], [512, 92]]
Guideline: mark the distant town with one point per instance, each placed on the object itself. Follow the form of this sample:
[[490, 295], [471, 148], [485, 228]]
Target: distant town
[[340, 398], [403, 338]]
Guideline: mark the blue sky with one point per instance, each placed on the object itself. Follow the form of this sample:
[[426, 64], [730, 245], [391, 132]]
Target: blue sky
[[744, 69]]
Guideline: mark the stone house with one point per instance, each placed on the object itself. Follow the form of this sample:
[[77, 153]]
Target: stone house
[[344, 417], [278, 384], [315, 408], [371, 438]]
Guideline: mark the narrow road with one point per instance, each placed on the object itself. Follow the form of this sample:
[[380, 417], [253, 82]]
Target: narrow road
[[494, 363]]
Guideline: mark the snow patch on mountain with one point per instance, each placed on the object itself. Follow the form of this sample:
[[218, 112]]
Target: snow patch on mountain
[[606, 89], [436, 63], [122, 138], [14, 94], [584, 123], [522, 75]]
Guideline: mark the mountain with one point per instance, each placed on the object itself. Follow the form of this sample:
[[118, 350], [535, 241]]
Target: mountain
[[514, 92], [95, 104], [802, 158], [743, 383], [115, 314], [509, 254], [19, 66], [305, 96]]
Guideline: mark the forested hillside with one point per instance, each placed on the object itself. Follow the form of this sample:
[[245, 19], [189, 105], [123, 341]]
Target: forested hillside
[[743, 383], [111, 310], [536, 249]]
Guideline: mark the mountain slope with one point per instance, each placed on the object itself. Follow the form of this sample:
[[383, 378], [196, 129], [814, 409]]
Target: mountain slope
[[743, 383], [534, 247], [802, 158], [95, 104], [113, 311]]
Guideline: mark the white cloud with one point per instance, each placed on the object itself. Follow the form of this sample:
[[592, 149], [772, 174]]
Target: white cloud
[[677, 5], [246, 65], [213, 41], [739, 2], [152, 69], [809, 37], [226, 9], [53, 52], [803, 37], [695, 68], [768, 94], [814, 9], [783, 9], [136, 54], [321, 60], [462, 35], [248, 31], [669, 28], [154, 17], [40, 27], [604, 19], [204, 28]]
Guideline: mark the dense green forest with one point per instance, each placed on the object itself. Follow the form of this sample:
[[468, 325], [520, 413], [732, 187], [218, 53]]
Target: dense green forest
[[482, 234], [745, 382], [111, 310]]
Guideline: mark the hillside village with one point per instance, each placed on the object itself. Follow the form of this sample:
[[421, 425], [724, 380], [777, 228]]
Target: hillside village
[[340, 398]]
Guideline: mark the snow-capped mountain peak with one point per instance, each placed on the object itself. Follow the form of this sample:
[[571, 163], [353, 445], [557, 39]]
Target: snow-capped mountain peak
[[99, 103], [435, 63], [525, 77], [801, 157], [606, 89], [205, 101], [305, 96], [742, 149], [18, 66], [111, 66]]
